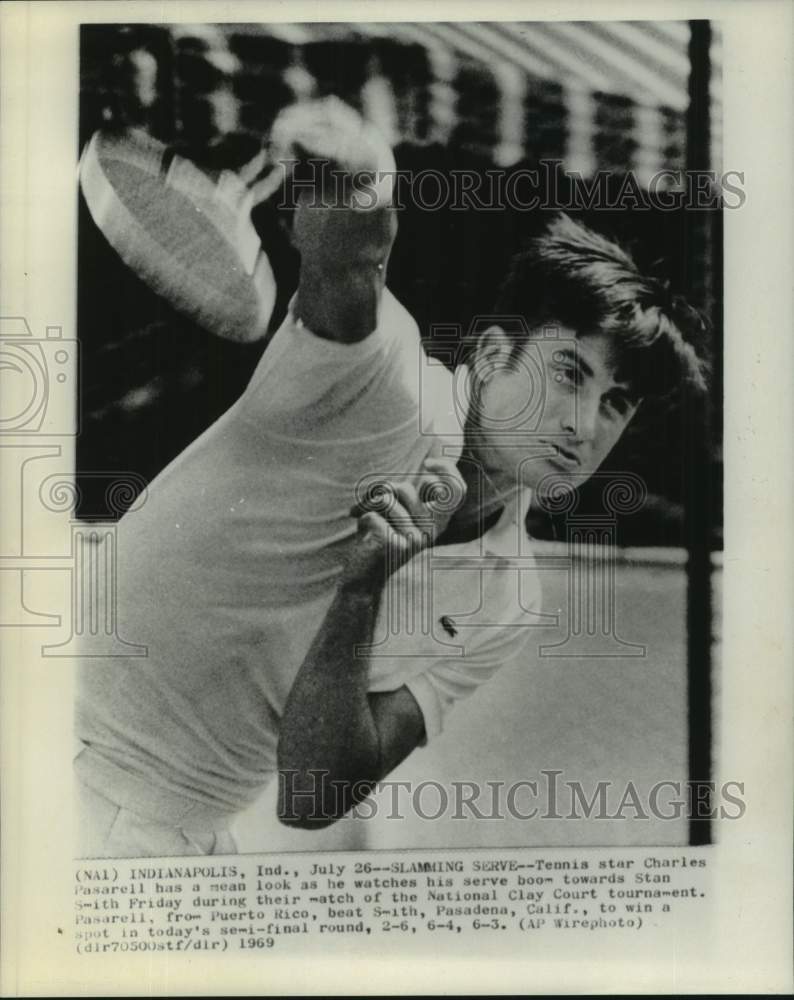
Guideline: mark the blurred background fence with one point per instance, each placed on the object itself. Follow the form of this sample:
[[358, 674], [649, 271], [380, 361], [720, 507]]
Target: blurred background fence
[[611, 97]]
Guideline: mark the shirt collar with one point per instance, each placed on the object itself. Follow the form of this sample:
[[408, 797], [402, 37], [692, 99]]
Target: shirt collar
[[508, 536]]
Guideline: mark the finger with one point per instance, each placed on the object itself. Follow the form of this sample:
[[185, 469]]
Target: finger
[[442, 465], [264, 188], [378, 496], [317, 125], [437, 446], [408, 495], [332, 130], [439, 463], [374, 524], [251, 170], [399, 518], [441, 486], [415, 501], [377, 535]]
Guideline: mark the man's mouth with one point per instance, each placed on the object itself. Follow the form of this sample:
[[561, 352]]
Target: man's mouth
[[564, 456]]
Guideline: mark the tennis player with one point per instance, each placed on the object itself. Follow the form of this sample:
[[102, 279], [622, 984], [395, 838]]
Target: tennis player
[[298, 619]]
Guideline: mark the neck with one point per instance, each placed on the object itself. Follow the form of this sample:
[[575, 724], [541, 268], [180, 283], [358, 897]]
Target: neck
[[485, 494]]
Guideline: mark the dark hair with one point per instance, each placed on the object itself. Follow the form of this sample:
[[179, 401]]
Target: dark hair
[[573, 276]]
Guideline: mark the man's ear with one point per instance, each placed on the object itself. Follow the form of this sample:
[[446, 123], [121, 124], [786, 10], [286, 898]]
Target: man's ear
[[491, 354], [493, 347]]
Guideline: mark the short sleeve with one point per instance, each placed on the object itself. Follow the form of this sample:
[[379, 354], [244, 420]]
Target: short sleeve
[[303, 374], [439, 688], [442, 668]]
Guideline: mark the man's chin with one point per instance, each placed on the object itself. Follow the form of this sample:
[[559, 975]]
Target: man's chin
[[555, 491]]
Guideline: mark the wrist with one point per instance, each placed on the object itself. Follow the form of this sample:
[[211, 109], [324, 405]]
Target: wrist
[[363, 585]]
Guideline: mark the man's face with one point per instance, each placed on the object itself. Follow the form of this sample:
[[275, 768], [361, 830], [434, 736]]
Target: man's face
[[556, 409]]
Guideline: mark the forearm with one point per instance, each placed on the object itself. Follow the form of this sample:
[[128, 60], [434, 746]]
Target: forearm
[[336, 739], [329, 742], [345, 222], [344, 252]]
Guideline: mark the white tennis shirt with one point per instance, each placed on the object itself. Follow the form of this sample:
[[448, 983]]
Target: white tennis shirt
[[227, 570]]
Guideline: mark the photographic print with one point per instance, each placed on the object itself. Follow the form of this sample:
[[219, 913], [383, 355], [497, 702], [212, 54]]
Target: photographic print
[[394, 590], [324, 264]]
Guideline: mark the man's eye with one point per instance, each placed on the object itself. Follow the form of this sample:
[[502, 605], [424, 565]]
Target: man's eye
[[567, 374]]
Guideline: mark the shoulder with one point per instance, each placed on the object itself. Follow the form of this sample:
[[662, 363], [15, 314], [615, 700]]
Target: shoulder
[[393, 321], [394, 318]]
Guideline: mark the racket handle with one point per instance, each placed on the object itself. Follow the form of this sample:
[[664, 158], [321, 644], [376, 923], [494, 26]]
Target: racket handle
[[265, 187]]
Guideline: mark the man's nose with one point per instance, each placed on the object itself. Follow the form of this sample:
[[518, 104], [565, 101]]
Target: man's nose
[[581, 420]]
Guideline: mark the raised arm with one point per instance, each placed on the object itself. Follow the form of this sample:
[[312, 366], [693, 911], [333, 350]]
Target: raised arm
[[336, 739], [345, 222]]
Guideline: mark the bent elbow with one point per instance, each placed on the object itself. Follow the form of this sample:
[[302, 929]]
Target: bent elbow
[[303, 797], [306, 820], [306, 810], [313, 799]]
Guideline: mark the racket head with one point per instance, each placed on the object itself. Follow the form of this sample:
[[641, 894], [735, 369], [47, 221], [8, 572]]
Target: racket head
[[189, 238]]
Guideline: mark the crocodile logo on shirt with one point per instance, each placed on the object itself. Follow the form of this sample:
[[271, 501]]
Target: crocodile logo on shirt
[[448, 625]]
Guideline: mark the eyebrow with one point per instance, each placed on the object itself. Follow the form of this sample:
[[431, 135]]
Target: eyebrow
[[566, 352], [626, 387]]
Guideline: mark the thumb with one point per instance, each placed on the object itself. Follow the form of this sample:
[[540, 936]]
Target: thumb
[[436, 449], [442, 484], [440, 461]]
